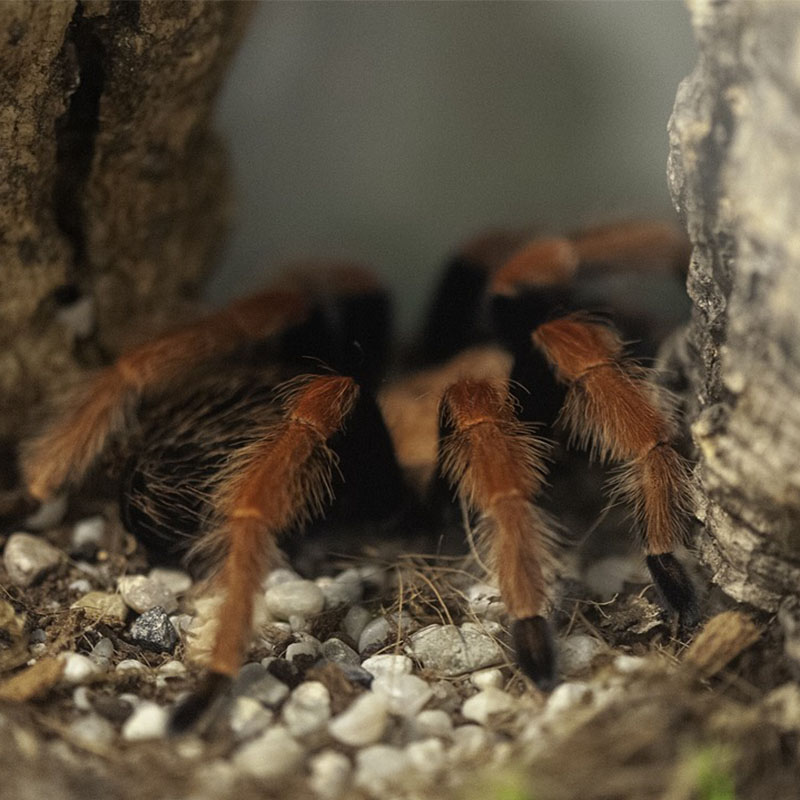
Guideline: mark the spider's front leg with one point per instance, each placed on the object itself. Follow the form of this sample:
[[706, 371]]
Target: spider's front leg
[[279, 483], [613, 409], [496, 464]]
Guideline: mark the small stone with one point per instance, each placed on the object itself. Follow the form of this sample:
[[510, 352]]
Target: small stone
[[254, 681], [172, 669], [103, 607], [487, 679], [181, 622], [102, 652], [48, 515], [629, 664], [453, 651], [87, 535], [308, 709], [78, 317], [177, 581], [81, 586], [249, 717], [577, 653], [278, 576], [337, 651], [433, 722], [355, 620], [148, 721], [379, 768], [153, 631], [484, 705], [362, 723], [356, 675], [566, 696], [343, 590], [373, 576], [330, 774], [426, 757], [37, 636], [272, 755], [92, 730], [387, 664], [289, 598], [469, 742], [79, 668], [307, 648], [28, 558], [80, 698], [405, 695], [374, 635], [142, 593], [608, 576], [130, 665]]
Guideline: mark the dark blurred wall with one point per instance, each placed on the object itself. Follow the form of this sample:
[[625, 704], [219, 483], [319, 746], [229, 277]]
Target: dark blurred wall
[[386, 132]]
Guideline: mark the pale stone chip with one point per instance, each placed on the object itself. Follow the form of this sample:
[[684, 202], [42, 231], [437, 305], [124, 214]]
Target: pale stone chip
[[722, 639]]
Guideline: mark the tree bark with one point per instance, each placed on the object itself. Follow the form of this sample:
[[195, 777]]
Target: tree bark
[[113, 188], [734, 173]]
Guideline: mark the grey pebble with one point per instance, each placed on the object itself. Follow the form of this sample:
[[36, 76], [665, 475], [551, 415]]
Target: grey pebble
[[355, 620], [577, 652], [153, 631], [294, 598], [405, 695], [374, 634], [454, 651], [92, 730], [142, 594], [87, 535], [337, 651], [254, 681], [28, 558], [48, 515]]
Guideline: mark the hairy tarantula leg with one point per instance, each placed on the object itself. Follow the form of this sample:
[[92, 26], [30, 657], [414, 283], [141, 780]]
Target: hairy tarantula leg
[[453, 320], [276, 484], [65, 451], [614, 410], [496, 464]]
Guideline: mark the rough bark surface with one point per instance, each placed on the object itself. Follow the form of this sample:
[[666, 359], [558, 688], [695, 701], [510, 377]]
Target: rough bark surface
[[113, 190], [733, 172]]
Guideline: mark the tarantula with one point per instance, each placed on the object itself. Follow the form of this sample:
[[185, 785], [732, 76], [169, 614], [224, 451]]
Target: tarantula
[[266, 415]]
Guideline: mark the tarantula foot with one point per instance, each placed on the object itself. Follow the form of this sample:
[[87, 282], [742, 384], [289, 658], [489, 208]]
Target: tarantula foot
[[675, 587], [533, 644], [198, 704]]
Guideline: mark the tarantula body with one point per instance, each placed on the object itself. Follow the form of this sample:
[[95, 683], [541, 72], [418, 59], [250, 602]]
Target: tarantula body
[[270, 414]]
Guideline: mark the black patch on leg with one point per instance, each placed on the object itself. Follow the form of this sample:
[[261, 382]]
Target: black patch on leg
[[365, 330], [675, 587], [533, 644], [189, 713]]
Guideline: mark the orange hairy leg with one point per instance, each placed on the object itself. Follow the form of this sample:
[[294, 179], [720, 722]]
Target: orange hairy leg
[[496, 464], [67, 449], [612, 409], [276, 484]]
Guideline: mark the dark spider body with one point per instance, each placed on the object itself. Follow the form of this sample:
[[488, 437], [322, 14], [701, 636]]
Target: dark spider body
[[273, 413]]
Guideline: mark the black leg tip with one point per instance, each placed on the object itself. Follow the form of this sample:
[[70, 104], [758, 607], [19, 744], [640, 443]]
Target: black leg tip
[[675, 587], [533, 644], [189, 712]]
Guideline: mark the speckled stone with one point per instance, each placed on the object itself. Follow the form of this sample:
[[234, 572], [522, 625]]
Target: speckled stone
[[153, 631]]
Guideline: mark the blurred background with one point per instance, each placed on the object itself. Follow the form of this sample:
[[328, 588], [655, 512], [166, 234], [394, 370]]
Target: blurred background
[[388, 132]]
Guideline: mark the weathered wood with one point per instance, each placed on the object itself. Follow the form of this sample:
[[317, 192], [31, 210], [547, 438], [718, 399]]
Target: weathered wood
[[113, 188], [734, 177]]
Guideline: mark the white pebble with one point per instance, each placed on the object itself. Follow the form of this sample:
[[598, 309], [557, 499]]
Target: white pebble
[[130, 664], [343, 590], [627, 664], [405, 695], [78, 317], [176, 580], [307, 709], [566, 696], [79, 668], [330, 774], [143, 594], [148, 721], [577, 652], [80, 697], [387, 664], [469, 742], [608, 576], [88, 533], [355, 620], [301, 598], [92, 729], [336, 650], [426, 756], [304, 648], [172, 669], [487, 679], [375, 633], [280, 575], [272, 755], [48, 515], [453, 651], [27, 558], [249, 717], [434, 722], [380, 767], [484, 705], [362, 723], [181, 622], [81, 586]]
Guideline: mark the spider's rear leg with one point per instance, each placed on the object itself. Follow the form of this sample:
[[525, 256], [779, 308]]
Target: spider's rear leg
[[613, 409], [496, 464], [277, 484]]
